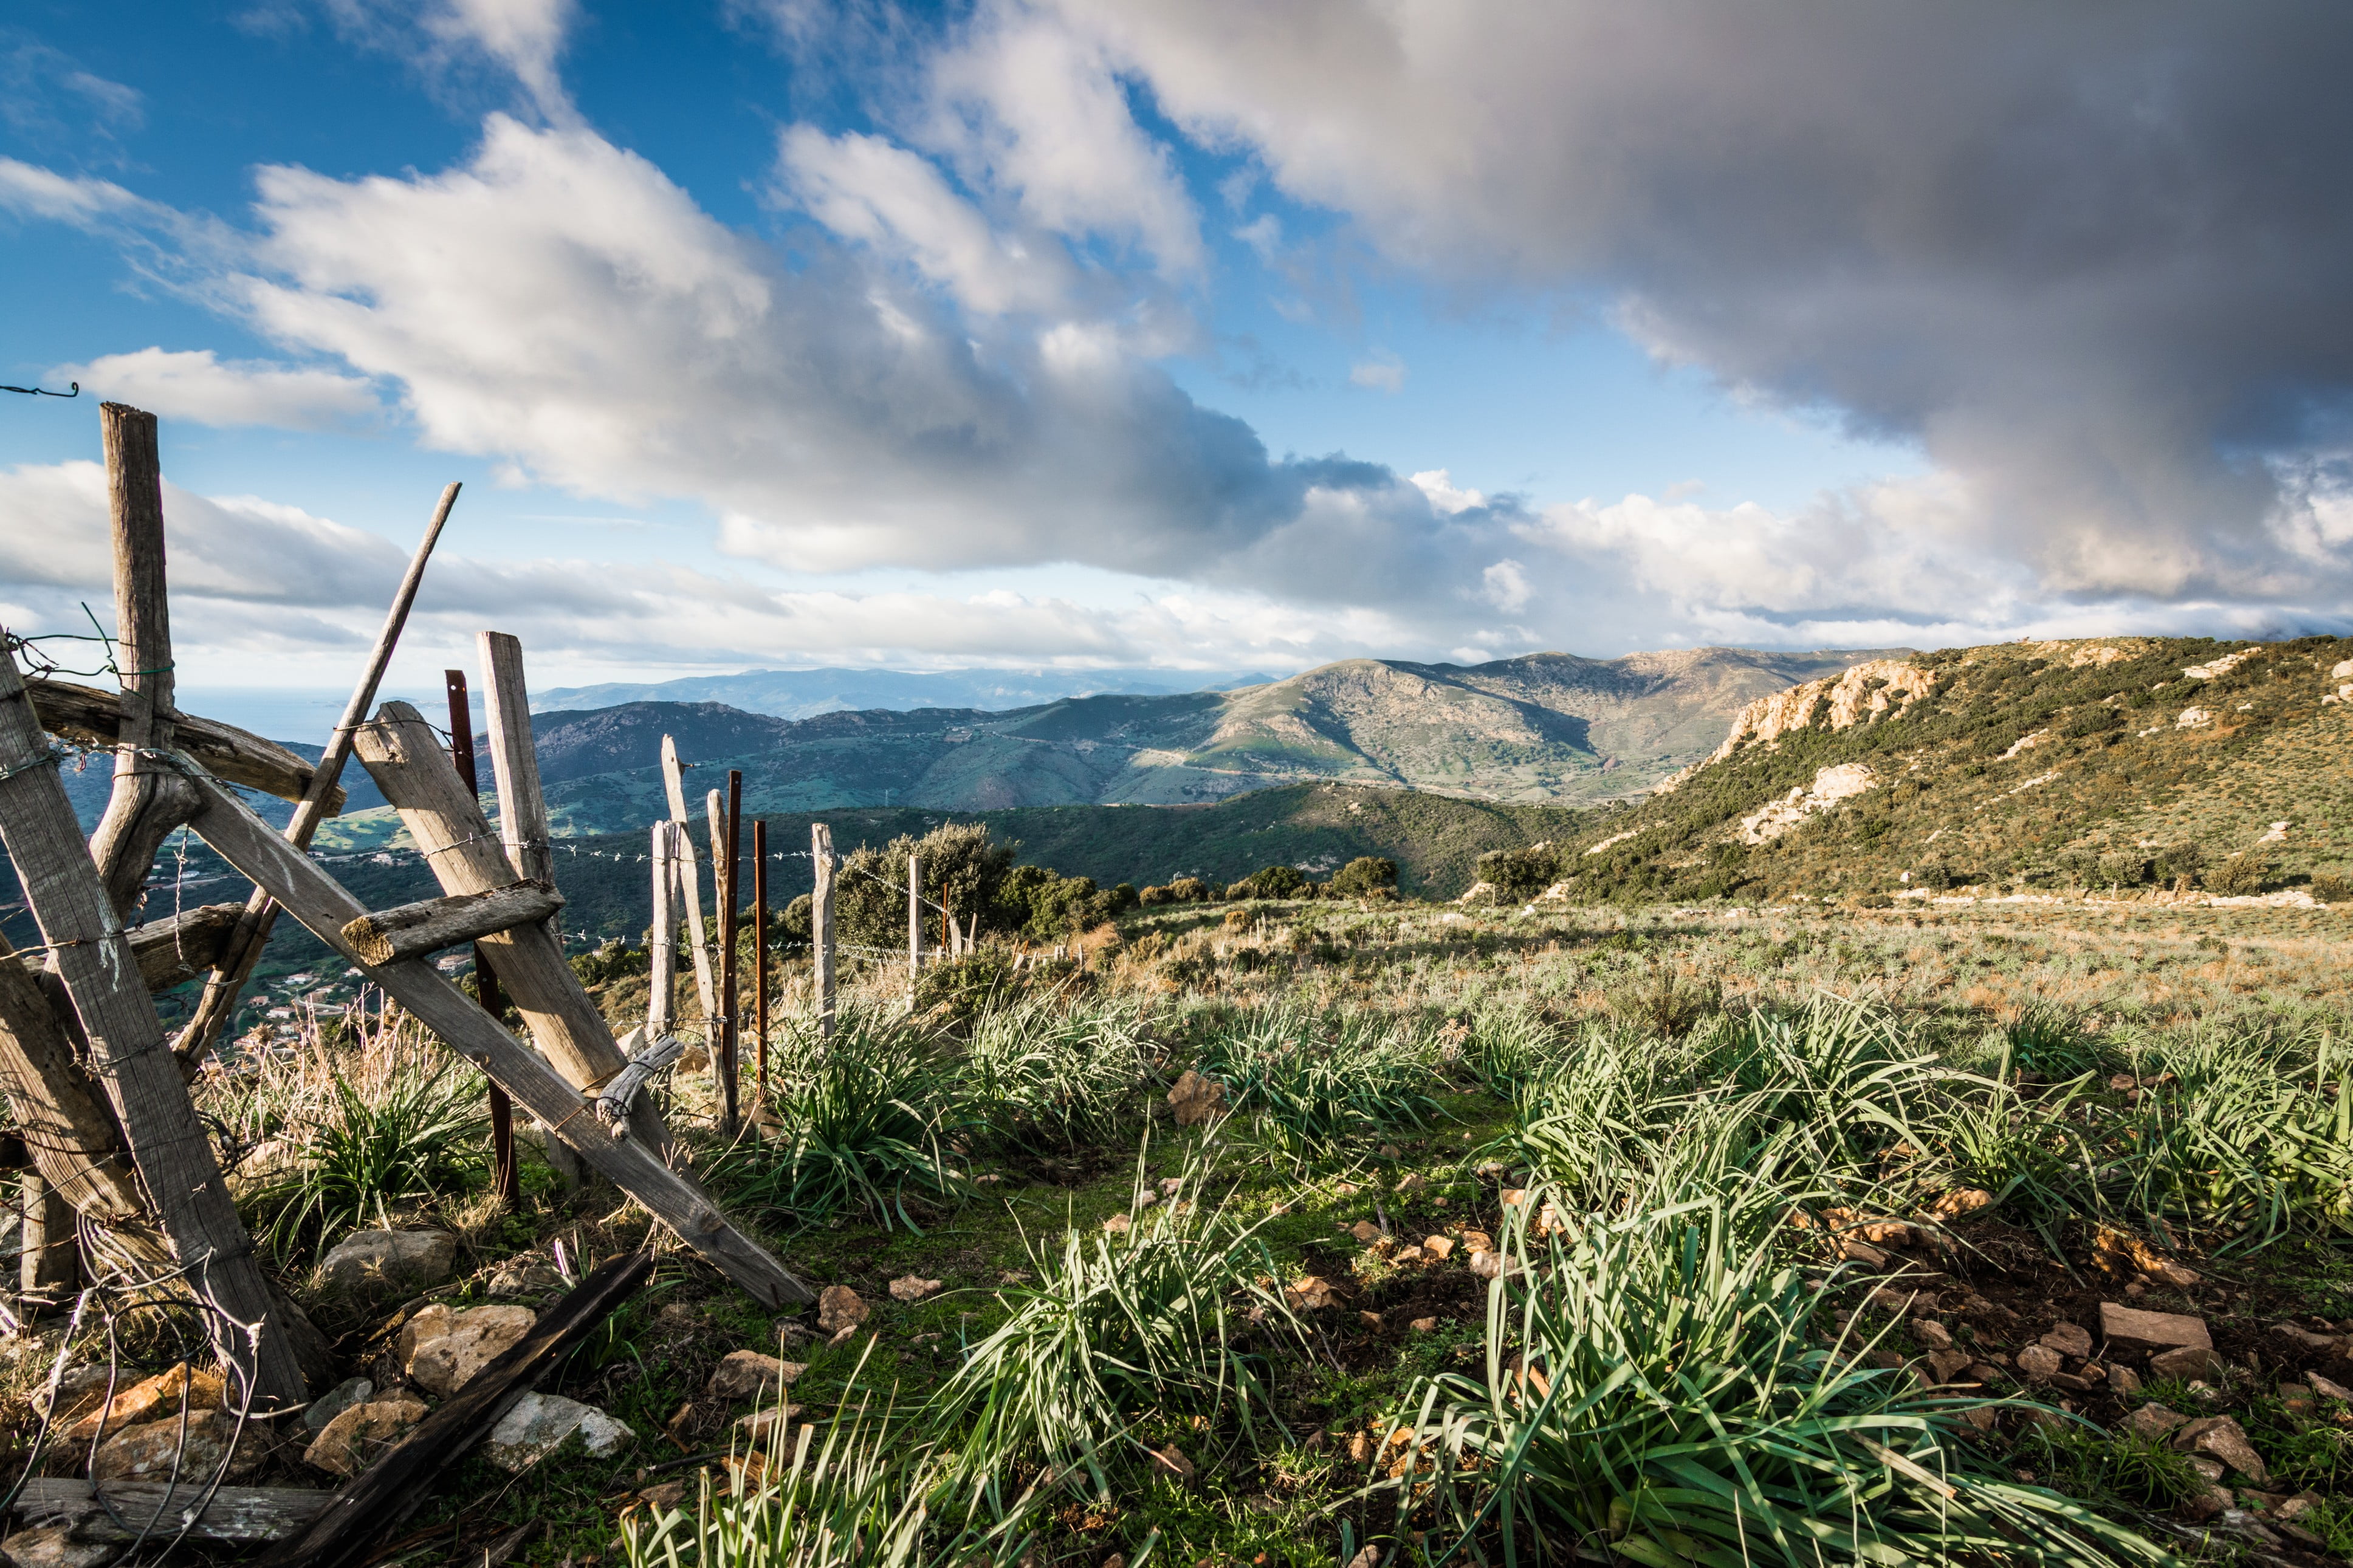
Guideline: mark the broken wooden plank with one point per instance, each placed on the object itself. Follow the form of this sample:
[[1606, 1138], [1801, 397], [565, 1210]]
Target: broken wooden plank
[[229, 1513], [131, 1055], [177, 947], [428, 925], [59, 1110], [148, 800], [389, 1491], [218, 1004], [515, 761], [324, 908], [403, 755], [89, 717]]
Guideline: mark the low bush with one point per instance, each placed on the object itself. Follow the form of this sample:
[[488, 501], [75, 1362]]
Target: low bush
[[1367, 876], [2237, 876]]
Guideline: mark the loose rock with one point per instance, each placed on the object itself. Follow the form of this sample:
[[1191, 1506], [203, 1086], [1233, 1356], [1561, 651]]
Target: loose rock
[[2069, 1338], [2152, 1421], [323, 1410], [2189, 1361], [913, 1288], [1309, 1294], [351, 1441], [475, 1338], [1949, 1364], [539, 1425], [1422, 1325], [837, 1308], [1934, 1334], [2122, 1382], [2038, 1363], [2132, 1328], [747, 1375], [1438, 1247], [80, 1390], [1171, 1462], [53, 1546], [2224, 1439], [1195, 1099], [383, 1262], [150, 1399], [527, 1279], [1366, 1231], [2326, 1389], [150, 1451]]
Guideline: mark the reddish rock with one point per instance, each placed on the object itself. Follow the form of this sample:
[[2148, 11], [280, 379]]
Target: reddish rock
[[837, 1308], [354, 1438], [2151, 1421], [2189, 1361], [748, 1374], [2038, 1363], [2220, 1437], [1934, 1334], [2129, 1328], [2070, 1339]]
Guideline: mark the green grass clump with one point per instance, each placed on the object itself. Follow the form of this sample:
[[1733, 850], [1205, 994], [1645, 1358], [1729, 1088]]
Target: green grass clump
[[1048, 1077], [856, 1124], [1309, 1083]]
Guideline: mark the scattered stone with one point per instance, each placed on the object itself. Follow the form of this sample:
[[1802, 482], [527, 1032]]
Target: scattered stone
[[912, 1287], [150, 1399], [528, 1279], [2212, 1469], [2189, 1361], [377, 1262], [1487, 1265], [1171, 1462], [837, 1308], [2326, 1388], [1934, 1334], [1981, 1416], [2224, 1439], [1195, 1099], [2303, 1340], [1960, 1201], [2136, 1289], [429, 1322], [79, 1392], [1369, 1557], [539, 1425], [1371, 1320], [323, 1410], [2296, 1507], [748, 1374], [1862, 1252], [53, 1546], [1513, 1197], [1438, 1247], [194, 1445], [1489, 1170], [2132, 1328], [1310, 1294], [351, 1442], [1409, 1256], [664, 1497], [2204, 1505], [444, 1364], [2039, 1362], [1985, 1371], [1949, 1364], [1171, 1185], [1118, 1225], [1477, 1241], [1412, 1181], [1423, 1325], [841, 1336], [681, 1318], [1366, 1231], [1144, 1200], [2069, 1338], [762, 1426], [2122, 1382]]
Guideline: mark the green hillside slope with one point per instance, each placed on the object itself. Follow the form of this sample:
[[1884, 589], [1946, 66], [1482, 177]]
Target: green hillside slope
[[2196, 767]]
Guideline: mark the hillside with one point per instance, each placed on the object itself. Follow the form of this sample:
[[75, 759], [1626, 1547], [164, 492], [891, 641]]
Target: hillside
[[2185, 764], [1546, 728], [806, 693]]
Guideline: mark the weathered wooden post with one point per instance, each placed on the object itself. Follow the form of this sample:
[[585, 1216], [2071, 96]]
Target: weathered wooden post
[[50, 1265], [760, 955], [662, 947], [821, 924], [673, 782], [730, 878], [503, 1170], [914, 925]]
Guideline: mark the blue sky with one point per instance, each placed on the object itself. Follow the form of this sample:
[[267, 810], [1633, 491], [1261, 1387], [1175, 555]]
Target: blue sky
[[1203, 335]]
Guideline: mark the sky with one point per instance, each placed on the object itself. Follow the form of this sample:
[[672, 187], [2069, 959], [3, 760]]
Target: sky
[[1202, 334]]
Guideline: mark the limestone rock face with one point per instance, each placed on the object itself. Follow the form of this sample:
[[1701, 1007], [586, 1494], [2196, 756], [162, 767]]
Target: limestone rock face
[[538, 1426], [384, 1262], [445, 1364], [352, 1440]]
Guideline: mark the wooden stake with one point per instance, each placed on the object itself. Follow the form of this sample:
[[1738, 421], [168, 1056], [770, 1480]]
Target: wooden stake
[[50, 1265], [505, 1173], [218, 1004], [661, 945], [132, 1058], [760, 952], [730, 966], [673, 782], [821, 924], [323, 906], [914, 925]]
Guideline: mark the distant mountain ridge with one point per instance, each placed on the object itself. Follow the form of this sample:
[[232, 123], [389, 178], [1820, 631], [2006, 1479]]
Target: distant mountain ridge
[[1543, 729], [806, 693]]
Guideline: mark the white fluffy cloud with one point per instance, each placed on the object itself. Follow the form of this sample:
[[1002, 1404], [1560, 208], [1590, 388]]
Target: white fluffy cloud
[[196, 384]]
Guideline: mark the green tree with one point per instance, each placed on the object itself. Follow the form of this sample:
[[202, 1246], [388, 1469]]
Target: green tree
[[1364, 877]]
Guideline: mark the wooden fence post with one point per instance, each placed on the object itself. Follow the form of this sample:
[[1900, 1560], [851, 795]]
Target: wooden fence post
[[505, 1173], [662, 947], [673, 782], [148, 801], [218, 1004], [821, 924], [760, 959], [133, 1058], [914, 925], [50, 1266], [730, 966]]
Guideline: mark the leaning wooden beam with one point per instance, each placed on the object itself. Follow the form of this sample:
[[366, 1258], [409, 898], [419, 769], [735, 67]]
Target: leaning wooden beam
[[228, 1513], [72, 1140], [131, 1057], [218, 1004], [381, 1496], [148, 801], [89, 717], [403, 755], [412, 931], [321, 904], [179, 947]]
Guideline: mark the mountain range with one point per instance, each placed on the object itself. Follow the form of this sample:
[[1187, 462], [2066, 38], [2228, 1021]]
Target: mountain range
[[1543, 729], [806, 693]]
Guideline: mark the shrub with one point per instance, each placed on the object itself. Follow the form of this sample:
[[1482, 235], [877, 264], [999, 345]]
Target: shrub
[[1521, 873], [2332, 887], [1934, 875], [963, 869], [858, 1122], [798, 920], [1363, 877], [2177, 860], [1272, 883], [1188, 891], [2237, 876]]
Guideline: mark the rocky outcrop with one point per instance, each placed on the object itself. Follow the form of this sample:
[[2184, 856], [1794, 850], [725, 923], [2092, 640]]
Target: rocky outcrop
[[1831, 785], [1862, 695]]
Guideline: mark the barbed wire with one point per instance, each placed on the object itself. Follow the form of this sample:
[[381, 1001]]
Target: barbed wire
[[45, 392]]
